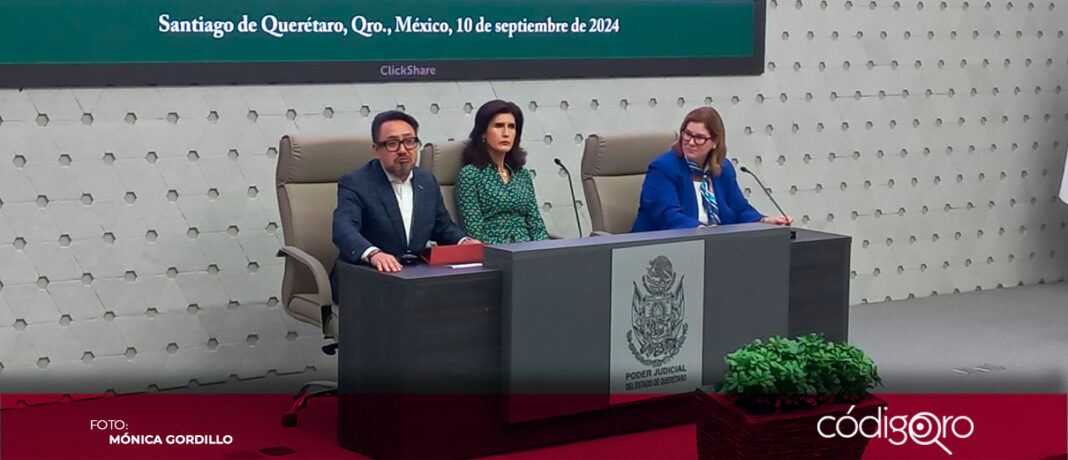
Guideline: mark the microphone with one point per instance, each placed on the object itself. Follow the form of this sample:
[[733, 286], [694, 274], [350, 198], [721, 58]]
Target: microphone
[[765, 189], [408, 259], [571, 186]]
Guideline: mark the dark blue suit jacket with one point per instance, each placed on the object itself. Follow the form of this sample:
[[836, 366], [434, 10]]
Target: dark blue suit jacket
[[668, 200], [367, 214]]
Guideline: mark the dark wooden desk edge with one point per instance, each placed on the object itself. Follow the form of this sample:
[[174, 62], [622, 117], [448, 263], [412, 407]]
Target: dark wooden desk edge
[[421, 272], [805, 235]]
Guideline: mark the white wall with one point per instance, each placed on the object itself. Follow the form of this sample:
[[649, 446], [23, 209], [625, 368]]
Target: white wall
[[138, 226]]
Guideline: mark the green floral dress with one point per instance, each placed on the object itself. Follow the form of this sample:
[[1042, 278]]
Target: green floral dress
[[495, 212]]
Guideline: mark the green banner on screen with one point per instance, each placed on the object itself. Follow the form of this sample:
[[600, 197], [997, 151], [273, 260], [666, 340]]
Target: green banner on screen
[[368, 41]]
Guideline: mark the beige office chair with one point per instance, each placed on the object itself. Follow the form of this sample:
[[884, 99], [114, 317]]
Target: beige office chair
[[613, 169], [444, 160], [306, 179]]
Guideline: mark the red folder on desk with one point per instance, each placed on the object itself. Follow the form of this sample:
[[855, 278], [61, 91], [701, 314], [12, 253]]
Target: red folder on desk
[[455, 254]]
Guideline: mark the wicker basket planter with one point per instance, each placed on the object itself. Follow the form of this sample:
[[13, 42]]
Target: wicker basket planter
[[725, 431]]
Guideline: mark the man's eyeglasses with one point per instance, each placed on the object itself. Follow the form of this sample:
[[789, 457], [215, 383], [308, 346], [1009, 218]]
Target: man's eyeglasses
[[394, 145], [696, 138]]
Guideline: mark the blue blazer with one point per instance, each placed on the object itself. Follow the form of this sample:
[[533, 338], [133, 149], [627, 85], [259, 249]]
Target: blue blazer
[[668, 200], [367, 214]]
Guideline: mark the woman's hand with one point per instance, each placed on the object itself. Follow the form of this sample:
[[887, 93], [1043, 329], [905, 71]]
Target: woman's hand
[[777, 220]]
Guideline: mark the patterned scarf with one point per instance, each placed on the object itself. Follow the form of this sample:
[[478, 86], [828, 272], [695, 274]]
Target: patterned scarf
[[708, 197]]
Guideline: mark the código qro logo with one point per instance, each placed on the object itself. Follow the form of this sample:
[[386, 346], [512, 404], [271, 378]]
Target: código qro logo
[[923, 428]]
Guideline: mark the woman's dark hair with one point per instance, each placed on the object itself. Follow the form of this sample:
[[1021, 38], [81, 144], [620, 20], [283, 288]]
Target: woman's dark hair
[[476, 153]]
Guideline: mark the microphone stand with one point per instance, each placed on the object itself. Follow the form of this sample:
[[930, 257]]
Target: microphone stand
[[793, 233], [570, 185]]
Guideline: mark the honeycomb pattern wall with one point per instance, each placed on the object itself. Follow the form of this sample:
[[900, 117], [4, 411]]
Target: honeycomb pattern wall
[[138, 226]]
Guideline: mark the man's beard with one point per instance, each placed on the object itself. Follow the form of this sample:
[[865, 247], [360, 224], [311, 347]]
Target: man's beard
[[401, 170]]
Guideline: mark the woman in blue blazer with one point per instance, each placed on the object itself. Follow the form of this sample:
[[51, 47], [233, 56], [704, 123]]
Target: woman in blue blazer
[[693, 184]]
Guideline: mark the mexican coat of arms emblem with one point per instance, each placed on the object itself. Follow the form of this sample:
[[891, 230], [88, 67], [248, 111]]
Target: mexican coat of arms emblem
[[658, 308]]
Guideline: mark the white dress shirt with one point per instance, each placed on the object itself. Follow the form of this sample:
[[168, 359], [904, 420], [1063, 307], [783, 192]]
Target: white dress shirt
[[702, 216], [402, 190]]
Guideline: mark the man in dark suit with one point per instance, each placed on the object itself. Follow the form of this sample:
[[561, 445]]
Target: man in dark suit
[[389, 209]]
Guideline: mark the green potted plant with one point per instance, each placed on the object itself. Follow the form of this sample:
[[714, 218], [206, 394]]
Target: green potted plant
[[774, 393]]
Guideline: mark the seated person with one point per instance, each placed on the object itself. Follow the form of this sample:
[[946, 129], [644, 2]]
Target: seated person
[[495, 198], [693, 184], [389, 208]]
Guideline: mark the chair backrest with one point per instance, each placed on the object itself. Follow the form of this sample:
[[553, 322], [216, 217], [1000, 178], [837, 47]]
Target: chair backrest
[[444, 160], [306, 179], [613, 169]]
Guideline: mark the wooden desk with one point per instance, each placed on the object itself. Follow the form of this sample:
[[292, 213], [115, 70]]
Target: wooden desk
[[422, 372]]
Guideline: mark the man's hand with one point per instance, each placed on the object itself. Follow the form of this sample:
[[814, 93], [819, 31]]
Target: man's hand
[[777, 220], [384, 262], [470, 240]]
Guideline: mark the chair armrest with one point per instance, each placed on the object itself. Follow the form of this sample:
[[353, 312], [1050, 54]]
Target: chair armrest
[[322, 278], [600, 233]]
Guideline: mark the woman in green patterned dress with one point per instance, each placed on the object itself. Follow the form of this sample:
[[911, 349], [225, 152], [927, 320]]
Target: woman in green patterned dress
[[494, 192]]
